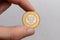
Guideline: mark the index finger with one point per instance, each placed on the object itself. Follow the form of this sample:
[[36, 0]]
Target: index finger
[[25, 4]]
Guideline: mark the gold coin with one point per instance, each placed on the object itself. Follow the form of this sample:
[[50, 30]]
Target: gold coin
[[31, 19]]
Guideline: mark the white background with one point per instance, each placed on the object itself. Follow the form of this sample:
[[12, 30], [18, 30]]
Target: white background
[[49, 11]]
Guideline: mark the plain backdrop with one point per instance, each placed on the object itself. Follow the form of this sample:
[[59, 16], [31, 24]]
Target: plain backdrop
[[49, 11]]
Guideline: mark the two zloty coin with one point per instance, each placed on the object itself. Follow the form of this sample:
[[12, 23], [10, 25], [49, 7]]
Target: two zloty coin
[[31, 19]]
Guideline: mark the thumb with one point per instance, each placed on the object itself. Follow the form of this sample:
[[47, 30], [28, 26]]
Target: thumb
[[21, 32]]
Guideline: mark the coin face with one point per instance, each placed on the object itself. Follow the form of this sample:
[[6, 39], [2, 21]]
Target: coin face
[[31, 19]]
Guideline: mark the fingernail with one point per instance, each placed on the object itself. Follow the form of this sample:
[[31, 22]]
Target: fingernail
[[30, 31]]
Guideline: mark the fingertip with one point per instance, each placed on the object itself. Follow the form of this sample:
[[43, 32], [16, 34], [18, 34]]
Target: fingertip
[[24, 4], [27, 30], [20, 32]]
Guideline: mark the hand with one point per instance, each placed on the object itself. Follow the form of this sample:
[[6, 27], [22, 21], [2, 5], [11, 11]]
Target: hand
[[22, 3], [15, 32]]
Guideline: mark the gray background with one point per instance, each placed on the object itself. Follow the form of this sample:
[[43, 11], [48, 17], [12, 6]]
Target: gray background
[[49, 10]]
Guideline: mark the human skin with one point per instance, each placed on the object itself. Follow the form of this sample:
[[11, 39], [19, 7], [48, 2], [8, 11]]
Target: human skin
[[15, 32]]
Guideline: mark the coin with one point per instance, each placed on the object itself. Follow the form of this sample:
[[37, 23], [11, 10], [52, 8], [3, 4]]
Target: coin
[[31, 19]]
